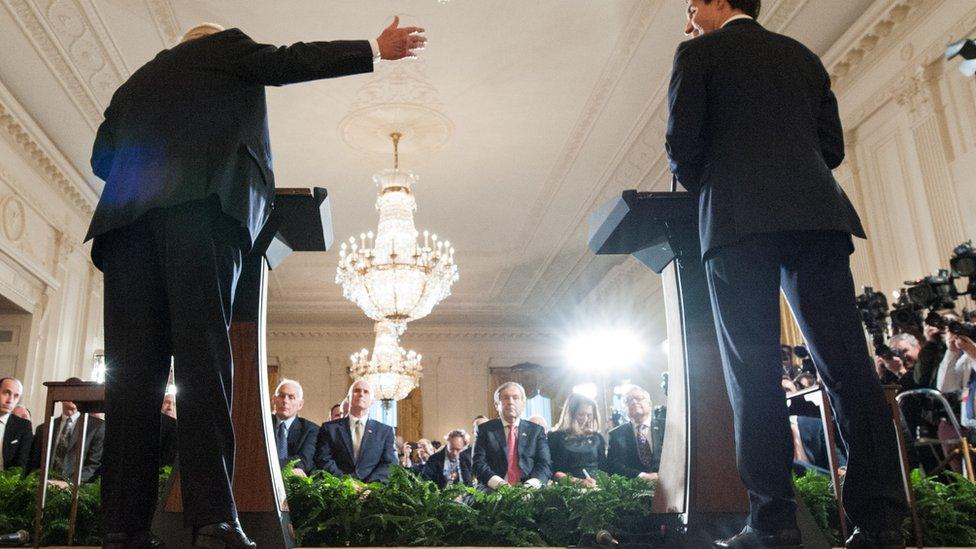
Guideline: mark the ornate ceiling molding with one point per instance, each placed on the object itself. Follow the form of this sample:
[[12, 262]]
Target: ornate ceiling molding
[[416, 334], [781, 14], [17, 126], [869, 38], [71, 39], [164, 19], [911, 85]]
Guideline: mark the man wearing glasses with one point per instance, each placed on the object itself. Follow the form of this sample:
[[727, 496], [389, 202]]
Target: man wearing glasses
[[635, 448]]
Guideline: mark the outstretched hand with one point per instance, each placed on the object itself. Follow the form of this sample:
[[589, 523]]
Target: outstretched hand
[[398, 42]]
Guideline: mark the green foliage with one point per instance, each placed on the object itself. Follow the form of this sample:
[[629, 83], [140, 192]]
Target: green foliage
[[330, 511]]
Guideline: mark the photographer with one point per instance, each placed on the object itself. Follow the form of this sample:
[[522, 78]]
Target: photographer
[[898, 369], [933, 350], [955, 371]]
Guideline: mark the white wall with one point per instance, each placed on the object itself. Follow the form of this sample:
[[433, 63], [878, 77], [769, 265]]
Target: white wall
[[44, 268]]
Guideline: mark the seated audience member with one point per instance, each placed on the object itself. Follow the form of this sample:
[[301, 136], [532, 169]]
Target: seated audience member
[[448, 466], [335, 412], [635, 448], [295, 436], [356, 445], [167, 431], [577, 447], [509, 450], [22, 412], [15, 431], [540, 421], [422, 451], [805, 381], [66, 435]]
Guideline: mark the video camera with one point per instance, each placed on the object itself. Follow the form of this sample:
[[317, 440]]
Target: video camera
[[873, 307]]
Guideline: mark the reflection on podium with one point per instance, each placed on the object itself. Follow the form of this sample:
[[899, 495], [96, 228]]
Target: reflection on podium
[[699, 485], [300, 221]]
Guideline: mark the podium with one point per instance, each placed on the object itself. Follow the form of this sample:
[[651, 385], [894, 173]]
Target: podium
[[300, 221], [699, 485]]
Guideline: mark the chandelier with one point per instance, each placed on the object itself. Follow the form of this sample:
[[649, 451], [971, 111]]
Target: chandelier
[[391, 372], [392, 276]]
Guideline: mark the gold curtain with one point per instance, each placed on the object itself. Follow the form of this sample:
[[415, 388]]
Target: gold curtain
[[410, 416], [789, 332]]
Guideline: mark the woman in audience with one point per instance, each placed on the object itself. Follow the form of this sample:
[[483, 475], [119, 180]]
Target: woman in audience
[[577, 447]]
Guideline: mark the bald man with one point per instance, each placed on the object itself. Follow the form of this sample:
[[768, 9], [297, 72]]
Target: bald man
[[186, 158], [356, 445]]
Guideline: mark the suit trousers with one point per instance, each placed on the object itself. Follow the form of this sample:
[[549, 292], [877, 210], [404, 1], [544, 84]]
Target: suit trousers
[[169, 290], [813, 270]]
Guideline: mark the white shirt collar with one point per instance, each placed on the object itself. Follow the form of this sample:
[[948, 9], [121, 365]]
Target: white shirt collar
[[735, 18], [506, 423], [353, 419], [74, 417], [4, 418], [288, 422]]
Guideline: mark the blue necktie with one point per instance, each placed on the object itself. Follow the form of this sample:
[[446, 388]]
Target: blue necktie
[[282, 442]]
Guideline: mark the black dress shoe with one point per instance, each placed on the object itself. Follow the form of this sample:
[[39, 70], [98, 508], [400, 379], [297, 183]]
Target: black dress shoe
[[749, 538], [885, 539], [138, 540], [222, 535]]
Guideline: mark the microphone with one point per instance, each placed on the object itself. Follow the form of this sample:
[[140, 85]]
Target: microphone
[[18, 538]]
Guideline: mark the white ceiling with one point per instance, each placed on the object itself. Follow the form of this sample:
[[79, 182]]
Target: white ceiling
[[555, 107]]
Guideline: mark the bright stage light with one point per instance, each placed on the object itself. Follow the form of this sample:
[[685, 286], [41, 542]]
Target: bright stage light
[[603, 349], [588, 390]]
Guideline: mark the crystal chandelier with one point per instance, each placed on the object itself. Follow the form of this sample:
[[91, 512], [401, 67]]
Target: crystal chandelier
[[392, 277], [392, 372]]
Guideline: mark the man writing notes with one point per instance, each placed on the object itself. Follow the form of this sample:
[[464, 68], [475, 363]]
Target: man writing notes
[[185, 154], [754, 132], [510, 450]]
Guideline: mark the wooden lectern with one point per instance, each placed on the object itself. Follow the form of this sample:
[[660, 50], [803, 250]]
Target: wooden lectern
[[699, 484], [301, 221]]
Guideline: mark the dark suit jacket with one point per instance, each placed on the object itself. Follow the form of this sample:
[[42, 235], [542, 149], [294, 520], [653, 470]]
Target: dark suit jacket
[[168, 442], [94, 439], [622, 456], [302, 436], [17, 438], [333, 451], [192, 123], [754, 131], [433, 470], [491, 451]]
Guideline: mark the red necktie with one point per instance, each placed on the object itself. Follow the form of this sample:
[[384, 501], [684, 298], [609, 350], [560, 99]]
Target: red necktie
[[513, 475]]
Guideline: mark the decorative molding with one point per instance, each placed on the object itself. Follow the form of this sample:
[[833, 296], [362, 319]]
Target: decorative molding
[[869, 38], [416, 334], [782, 14], [164, 19], [924, 65], [73, 47], [17, 126]]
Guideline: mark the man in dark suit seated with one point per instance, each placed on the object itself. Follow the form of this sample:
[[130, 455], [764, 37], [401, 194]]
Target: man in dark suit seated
[[449, 465], [65, 436], [295, 436], [356, 445], [510, 450], [634, 450], [754, 132], [186, 158], [15, 432]]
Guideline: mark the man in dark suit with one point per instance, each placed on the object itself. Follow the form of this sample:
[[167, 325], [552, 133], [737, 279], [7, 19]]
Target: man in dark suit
[[754, 131], [634, 450], [15, 432], [356, 445], [65, 437], [510, 450], [185, 155], [295, 436], [449, 465]]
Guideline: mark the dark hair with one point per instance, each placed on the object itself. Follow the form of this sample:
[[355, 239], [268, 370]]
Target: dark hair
[[748, 7]]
